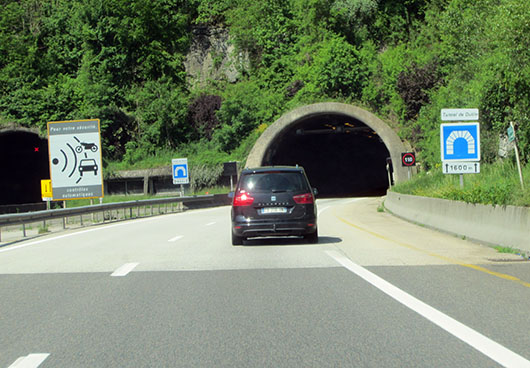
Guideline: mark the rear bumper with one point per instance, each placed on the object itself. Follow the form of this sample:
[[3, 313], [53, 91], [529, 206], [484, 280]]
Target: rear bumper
[[290, 228]]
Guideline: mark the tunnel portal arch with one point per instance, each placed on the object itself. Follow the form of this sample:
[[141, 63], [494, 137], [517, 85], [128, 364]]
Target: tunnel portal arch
[[341, 118], [24, 164]]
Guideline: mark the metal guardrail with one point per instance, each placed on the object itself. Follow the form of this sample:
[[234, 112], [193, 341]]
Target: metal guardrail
[[64, 213]]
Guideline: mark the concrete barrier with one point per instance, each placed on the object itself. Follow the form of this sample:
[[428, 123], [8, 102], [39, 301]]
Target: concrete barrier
[[507, 226]]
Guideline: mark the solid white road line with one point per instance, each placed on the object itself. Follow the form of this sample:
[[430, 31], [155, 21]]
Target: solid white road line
[[125, 269], [175, 238], [211, 223], [30, 361], [486, 346]]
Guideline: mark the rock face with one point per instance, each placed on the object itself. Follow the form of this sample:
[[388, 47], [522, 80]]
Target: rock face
[[212, 56]]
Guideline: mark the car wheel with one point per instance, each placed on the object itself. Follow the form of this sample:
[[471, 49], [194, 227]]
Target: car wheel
[[237, 240], [312, 238]]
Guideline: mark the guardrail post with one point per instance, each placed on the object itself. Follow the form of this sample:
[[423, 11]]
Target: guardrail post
[[81, 218], [24, 229], [64, 222]]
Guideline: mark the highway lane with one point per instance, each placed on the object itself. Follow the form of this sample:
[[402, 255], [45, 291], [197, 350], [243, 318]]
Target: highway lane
[[191, 299]]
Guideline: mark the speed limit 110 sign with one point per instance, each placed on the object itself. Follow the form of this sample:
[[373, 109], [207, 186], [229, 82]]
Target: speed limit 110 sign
[[408, 159]]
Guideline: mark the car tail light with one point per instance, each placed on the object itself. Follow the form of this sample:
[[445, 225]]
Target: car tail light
[[243, 199], [306, 198]]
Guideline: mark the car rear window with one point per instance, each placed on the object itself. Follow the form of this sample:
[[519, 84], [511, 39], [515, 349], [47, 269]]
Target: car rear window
[[273, 181]]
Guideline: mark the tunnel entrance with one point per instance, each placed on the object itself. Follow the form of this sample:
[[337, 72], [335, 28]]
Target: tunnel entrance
[[342, 156], [23, 164], [343, 148]]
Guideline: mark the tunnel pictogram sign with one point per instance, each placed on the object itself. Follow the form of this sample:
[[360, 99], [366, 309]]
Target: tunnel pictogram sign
[[180, 171], [460, 142], [75, 159]]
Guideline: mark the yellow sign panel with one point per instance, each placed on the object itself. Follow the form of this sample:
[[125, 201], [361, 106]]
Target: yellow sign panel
[[46, 190]]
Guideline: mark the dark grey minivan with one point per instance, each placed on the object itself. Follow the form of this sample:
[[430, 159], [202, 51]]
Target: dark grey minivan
[[274, 201]]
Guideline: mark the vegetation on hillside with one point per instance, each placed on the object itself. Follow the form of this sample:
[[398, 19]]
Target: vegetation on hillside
[[122, 61]]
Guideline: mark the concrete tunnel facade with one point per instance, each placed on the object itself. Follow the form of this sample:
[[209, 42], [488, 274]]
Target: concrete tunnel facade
[[343, 148]]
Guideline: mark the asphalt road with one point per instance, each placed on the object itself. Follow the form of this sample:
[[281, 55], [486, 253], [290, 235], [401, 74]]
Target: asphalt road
[[171, 291]]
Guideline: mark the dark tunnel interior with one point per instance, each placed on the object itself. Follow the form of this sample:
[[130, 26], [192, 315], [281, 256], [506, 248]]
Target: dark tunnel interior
[[23, 164], [342, 156]]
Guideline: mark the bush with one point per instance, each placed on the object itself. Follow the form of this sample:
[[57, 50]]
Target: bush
[[202, 115], [204, 176]]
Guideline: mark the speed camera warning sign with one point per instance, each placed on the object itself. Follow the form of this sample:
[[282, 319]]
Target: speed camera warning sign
[[75, 159]]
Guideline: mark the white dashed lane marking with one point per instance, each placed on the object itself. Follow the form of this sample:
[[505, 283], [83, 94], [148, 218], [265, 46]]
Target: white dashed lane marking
[[30, 361], [175, 238], [125, 269]]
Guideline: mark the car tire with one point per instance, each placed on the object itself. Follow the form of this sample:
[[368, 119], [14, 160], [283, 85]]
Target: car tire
[[237, 240], [312, 238]]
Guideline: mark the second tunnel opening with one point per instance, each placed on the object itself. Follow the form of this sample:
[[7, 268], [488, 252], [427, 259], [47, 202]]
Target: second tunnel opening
[[342, 156]]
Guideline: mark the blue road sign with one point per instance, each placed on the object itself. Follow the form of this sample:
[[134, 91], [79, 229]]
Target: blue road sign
[[180, 171], [460, 142]]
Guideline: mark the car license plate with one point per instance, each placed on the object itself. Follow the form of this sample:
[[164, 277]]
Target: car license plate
[[268, 210]]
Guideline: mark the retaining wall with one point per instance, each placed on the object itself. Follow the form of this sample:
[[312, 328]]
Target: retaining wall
[[494, 225]]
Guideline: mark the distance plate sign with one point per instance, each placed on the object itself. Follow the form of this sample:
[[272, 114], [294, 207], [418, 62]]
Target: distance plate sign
[[461, 167]]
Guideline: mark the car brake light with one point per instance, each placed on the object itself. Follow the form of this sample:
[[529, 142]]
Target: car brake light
[[243, 199], [306, 198]]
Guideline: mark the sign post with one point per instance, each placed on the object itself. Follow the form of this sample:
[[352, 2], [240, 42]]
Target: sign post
[[230, 169], [460, 142], [180, 173], [408, 159], [75, 159], [512, 138]]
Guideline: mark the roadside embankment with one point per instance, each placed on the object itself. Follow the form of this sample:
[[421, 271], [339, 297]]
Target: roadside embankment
[[507, 226]]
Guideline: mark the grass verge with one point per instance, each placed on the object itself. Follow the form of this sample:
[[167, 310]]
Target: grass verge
[[496, 184]]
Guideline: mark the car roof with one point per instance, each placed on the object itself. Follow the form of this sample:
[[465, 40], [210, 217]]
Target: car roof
[[264, 169]]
